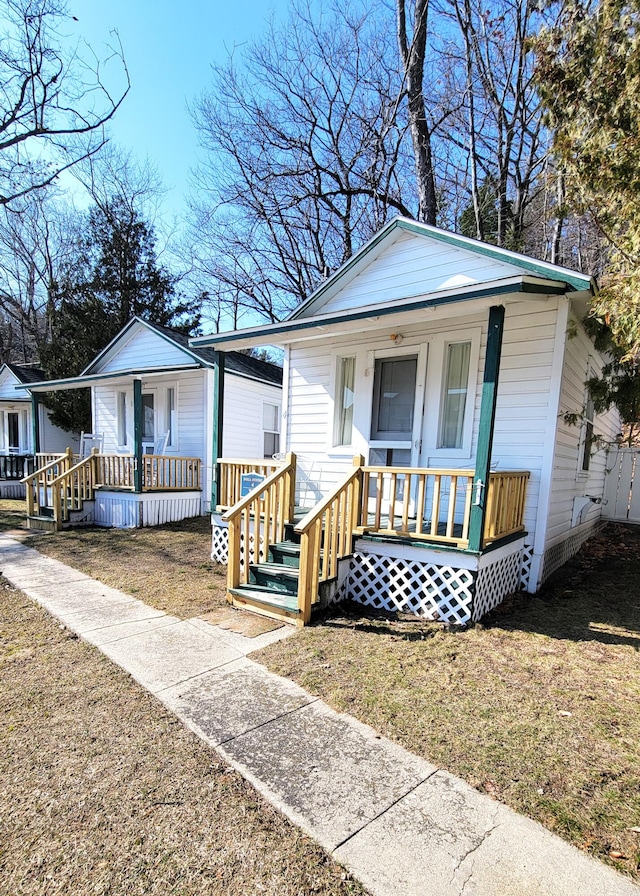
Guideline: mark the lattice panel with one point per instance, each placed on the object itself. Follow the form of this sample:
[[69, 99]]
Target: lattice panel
[[495, 581], [525, 569], [558, 555], [220, 544], [425, 589]]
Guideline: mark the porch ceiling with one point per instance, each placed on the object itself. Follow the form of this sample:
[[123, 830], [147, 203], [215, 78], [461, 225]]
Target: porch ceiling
[[445, 303]]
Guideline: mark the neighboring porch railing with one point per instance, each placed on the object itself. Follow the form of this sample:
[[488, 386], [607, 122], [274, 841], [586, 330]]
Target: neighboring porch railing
[[60, 486], [16, 466], [258, 520], [231, 472]]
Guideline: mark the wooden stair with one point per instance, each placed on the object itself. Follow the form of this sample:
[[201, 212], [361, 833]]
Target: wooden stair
[[273, 586]]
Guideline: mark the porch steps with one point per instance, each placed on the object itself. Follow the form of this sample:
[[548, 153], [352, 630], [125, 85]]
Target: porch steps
[[41, 523], [263, 600]]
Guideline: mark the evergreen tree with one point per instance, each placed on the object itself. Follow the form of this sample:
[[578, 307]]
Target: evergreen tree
[[113, 277]]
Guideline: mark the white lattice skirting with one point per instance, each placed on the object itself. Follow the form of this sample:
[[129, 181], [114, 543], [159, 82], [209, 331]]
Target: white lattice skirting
[[435, 590], [220, 544]]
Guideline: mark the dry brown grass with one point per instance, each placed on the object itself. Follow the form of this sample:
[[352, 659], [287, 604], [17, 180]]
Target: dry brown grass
[[169, 567], [104, 792], [538, 708]]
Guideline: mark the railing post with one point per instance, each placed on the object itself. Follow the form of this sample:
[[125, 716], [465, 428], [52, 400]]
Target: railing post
[[291, 486], [356, 511]]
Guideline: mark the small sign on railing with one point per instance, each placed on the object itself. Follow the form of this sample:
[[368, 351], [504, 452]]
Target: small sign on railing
[[249, 481]]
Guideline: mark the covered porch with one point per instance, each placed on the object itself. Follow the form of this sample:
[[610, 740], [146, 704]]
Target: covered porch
[[393, 538]]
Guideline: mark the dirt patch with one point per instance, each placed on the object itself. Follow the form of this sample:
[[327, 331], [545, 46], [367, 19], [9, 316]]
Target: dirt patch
[[248, 624], [538, 707], [104, 792]]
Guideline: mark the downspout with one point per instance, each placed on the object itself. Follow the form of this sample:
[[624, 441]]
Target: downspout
[[486, 427], [217, 413]]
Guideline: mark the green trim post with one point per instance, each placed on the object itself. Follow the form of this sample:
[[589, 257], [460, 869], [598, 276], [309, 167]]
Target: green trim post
[[217, 415], [35, 421], [137, 435], [485, 427]]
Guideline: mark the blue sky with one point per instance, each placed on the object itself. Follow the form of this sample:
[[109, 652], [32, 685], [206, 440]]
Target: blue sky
[[169, 47]]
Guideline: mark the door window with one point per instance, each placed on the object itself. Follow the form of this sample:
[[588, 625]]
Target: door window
[[148, 417], [394, 392]]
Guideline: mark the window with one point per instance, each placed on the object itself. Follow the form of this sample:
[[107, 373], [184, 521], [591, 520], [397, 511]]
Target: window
[[122, 418], [588, 434], [13, 432], [343, 428], [394, 388], [454, 395], [271, 429], [172, 423], [148, 417]]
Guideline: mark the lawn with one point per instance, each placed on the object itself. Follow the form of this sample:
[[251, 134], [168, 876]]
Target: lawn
[[538, 707], [105, 792]]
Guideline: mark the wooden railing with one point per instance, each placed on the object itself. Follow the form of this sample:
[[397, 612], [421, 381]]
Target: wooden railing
[[434, 505], [42, 458], [426, 504], [38, 483], [326, 536], [505, 505], [159, 472], [72, 488], [16, 466], [231, 473], [258, 520]]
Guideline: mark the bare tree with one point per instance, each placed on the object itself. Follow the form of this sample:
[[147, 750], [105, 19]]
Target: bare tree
[[306, 157], [54, 103]]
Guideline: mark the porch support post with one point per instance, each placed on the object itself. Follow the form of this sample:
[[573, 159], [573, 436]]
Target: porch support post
[[217, 430], [485, 429], [35, 421], [137, 435]]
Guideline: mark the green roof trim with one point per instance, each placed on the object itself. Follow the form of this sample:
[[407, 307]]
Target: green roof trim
[[532, 265], [86, 380], [289, 325]]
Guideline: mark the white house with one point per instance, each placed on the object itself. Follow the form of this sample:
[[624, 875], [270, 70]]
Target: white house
[[25, 429], [155, 406], [452, 368]]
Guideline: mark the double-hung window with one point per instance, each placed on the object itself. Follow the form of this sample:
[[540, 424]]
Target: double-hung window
[[454, 395]]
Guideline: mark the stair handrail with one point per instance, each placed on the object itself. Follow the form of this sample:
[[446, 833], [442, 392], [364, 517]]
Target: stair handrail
[[60, 483], [64, 459], [268, 506], [338, 516]]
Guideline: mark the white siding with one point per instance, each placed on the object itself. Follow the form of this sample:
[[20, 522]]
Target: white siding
[[8, 392], [414, 266], [53, 439], [143, 348], [568, 480], [522, 412], [242, 425]]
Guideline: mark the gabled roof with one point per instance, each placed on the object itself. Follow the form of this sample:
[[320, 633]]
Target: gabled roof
[[235, 362], [28, 373], [405, 268], [390, 233]]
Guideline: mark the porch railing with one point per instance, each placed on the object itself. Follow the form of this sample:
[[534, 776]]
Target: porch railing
[[505, 504], [258, 520], [159, 472], [326, 536], [231, 472], [16, 466], [72, 488]]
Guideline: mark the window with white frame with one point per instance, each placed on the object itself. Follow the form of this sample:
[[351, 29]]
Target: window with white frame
[[121, 418], [455, 388], [345, 383], [587, 434], [171, 417], [13, 432], [270, 429], [394, 391]]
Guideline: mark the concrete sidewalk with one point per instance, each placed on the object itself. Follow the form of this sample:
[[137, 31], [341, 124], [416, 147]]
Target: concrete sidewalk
[[402, 826]]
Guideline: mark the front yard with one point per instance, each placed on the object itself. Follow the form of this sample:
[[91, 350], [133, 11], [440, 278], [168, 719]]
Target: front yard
[[538, 707]]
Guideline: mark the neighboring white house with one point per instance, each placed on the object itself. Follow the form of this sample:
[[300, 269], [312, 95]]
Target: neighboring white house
[[154, 423], [436, 354], [21, 434]]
